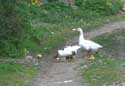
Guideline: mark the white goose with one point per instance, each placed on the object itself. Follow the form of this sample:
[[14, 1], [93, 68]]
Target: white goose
[[73, 48], [68, 52], [88, 45]]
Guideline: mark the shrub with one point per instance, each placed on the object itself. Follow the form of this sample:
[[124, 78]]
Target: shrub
[[104, 7], [116, 6], [14, 27]]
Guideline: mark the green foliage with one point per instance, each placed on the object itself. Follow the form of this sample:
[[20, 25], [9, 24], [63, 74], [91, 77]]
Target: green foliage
[[57, 12], [113, 43], [103, 71], [14, 27], [104, 7], [13, 74], [17, 17], [60, 19], [108, 67], [61, 13], [116, 6], [52, 0]]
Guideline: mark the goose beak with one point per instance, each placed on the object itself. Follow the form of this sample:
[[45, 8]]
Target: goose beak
[[73, 29]]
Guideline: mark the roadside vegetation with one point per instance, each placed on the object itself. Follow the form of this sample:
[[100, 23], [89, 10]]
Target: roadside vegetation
[[108, 68], [13, 74], [30, 27], [57, 19], [25, 26]]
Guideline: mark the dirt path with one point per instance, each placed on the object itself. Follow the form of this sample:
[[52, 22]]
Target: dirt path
[[67, 73]]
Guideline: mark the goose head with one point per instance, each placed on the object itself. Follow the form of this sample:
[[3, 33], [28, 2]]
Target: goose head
[[81, 36], [78, 29]]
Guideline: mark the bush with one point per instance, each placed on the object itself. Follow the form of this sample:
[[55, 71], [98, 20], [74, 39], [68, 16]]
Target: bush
[[57, 12], [104, 7], [16, 34], [14, 27], [116, 6]]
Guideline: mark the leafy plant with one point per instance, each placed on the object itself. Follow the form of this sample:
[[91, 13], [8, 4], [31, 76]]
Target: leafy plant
[[14, 27], [104, 7], [26, 26]]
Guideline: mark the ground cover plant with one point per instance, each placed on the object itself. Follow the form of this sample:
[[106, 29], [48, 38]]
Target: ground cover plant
[[108, 68], [14, 74]]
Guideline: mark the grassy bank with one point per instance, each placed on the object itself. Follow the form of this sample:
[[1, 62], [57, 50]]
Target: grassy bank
[[107, 69], [53, 22], [13, 74], [52, 35]]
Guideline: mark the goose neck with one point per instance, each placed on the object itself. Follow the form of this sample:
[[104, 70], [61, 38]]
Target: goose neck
[[81, 35]]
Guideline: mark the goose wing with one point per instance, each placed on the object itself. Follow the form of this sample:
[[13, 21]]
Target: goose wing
[[92, 44], [64, 52], [72, 48]]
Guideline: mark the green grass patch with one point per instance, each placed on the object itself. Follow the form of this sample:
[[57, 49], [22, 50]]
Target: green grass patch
[[114, 43], [13, 74], [60, 19], [106, 70], [63, 31], [40, 22]]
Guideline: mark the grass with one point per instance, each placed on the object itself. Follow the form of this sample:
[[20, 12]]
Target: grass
[[13, 74], [51, 29], [114, 43], [52, 25], [63, 31], [105, 70]]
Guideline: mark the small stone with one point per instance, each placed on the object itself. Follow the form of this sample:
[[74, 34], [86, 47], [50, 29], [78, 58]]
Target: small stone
[[39, 56], [29, 58], [52, 33], [83, 67], [45, 48], [107, 21], [57, 59]]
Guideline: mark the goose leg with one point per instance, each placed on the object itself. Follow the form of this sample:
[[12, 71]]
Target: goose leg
[[70, 58], [57, 57], [67, 57], [90, 54]]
